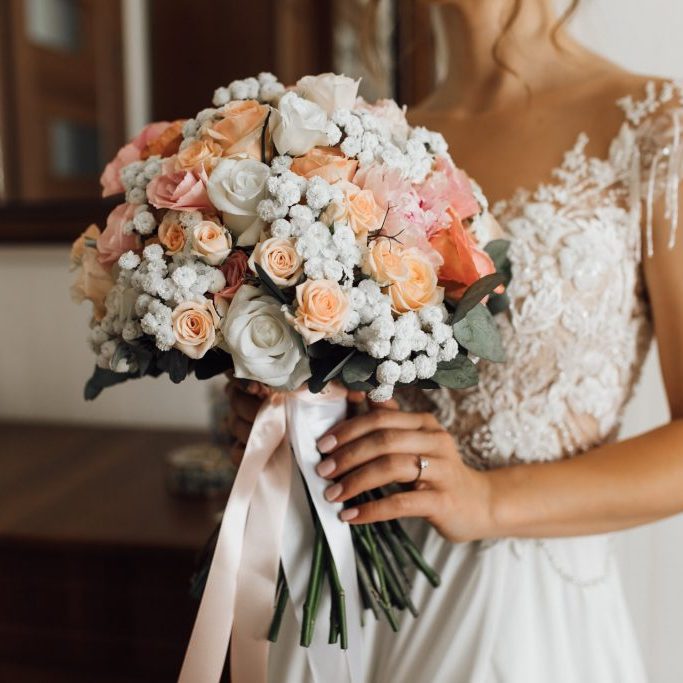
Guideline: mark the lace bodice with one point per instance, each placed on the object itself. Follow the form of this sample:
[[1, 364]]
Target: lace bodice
[[578, 327]]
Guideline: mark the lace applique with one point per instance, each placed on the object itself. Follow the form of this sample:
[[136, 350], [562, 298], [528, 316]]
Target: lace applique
[[578, 327]]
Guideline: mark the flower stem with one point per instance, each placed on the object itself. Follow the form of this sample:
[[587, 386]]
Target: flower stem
[[280, 604], [338, 612], [314, 587], [415, 554]]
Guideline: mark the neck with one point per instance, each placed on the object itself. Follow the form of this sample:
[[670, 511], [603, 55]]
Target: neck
[[475, 79]]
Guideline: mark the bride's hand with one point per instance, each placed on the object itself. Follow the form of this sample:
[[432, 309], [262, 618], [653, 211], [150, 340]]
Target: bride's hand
[[383, 447]]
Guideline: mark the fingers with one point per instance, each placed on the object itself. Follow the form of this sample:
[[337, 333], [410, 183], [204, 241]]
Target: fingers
[[239, 429], [349, 430], [375, 444], [387, 469], [396, 506]]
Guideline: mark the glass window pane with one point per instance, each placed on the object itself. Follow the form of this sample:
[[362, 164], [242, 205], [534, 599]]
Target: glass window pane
[[54, 23], [74, 149]]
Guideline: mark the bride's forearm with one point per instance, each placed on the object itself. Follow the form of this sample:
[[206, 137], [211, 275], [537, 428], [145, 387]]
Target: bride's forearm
[[612, 487]]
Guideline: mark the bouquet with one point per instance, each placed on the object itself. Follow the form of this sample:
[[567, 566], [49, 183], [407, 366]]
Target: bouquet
[[307, 240]]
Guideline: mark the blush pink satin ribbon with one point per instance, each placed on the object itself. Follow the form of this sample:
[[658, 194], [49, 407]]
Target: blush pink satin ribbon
[[239, 595]]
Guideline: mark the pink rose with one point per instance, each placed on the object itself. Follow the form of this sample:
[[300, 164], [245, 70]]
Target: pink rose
[[235, 270], [111, 177], [114, 241], [448, 186], [180, 190]]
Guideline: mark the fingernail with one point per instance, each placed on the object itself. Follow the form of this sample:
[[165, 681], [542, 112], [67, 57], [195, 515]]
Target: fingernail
[[348, 514], [327, 443], [333, 492], [326, 467]]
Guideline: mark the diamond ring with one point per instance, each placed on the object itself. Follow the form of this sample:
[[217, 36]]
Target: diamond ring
[[422, 464]]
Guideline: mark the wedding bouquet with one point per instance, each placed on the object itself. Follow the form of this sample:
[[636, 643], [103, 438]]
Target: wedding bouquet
[[296, 237]]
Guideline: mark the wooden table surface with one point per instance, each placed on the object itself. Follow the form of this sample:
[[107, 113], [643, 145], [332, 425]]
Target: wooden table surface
[[95, 554]]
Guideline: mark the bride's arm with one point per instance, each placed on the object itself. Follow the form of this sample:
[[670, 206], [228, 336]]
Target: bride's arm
[[608, 488]]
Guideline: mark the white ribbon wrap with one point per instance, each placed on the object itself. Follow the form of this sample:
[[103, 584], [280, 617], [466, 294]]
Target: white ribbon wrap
[[267, 521]]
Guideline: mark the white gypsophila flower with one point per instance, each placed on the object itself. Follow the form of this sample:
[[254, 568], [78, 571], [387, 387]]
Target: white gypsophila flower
[[388, 372], [430, 315], [151, 282], [419, 340], [142, 304], [378, 348], [184, 276], [144, 222], [221, 96], [297, 125], [357, 298], [353, 126], [342, 339], [136, 195], [381, 393], [153, 252], [129, 260], [333, 270], [157, 266], [351, 146], [152, 167], [371, 289], [400, 348], [334, 134], [441, 332], [407, 325], [205, 115], [141, 180], [131, 330], [408, 372], [190, 128], [271, 92], [449, 350], [268, 210], [383, 327], [266, 77], [284, 189], [280, 164], [314, 268], [216, 280], [318, 194], [352, 321], [425, 367], [432, 348], [189, 219], [281, 228], [167, 289]]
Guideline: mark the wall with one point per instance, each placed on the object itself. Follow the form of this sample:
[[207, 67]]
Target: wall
[[43, 357]]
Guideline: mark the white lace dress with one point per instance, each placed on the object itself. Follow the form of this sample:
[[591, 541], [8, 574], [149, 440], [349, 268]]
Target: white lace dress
[[550, 610]]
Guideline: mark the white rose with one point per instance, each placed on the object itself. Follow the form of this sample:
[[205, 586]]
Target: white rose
[[329, 91], [264, 348], [235, 187], [298, 125]]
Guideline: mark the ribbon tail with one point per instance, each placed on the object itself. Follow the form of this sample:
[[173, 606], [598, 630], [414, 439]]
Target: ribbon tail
[[208, 646]]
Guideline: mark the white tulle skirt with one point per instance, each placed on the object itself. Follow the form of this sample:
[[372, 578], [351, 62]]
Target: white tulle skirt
[[508, 611]]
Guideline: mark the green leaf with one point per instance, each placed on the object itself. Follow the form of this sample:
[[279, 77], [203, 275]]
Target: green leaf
[[101, 379], [339, 366], [476, 292], [498, 251], [498, 303], [359, 368], [215, 362], [360, 386], [459, 373], [270, 286], [479, 334]]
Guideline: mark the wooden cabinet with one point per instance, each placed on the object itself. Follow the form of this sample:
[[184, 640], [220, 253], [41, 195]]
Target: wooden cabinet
[[95, 555]]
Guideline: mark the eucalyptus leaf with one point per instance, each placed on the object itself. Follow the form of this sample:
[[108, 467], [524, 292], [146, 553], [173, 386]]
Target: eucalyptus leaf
[[101, 379], [498, 251], [340, 366], [479, 334], [215, 362], [359, 368], [360, 386], [477, 292], [270, 286], [498, 303], [460, 373]]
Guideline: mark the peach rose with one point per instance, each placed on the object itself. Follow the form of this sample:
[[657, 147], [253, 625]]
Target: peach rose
[[364, 213], [419, 289], [114, 241], [171, 234], [167, 143], [235, 270], [463, 261], [180, 190], [111, 177], [194, 326], [322, 310], [327, 162], [384, 262], [93, 281], [197, 155], [240, 128], [211, 242], [279, 259]]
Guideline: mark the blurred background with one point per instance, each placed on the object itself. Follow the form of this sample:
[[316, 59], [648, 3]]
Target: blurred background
[[95, 554]]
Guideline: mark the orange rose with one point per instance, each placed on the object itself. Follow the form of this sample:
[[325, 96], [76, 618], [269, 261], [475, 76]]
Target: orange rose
[[200, 153], [322, 310], [463, 262], [384, 262], [171, 234], [419, 289], [327, 162], [167, 143], [279, 259], [211, 242], [240, 128]]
